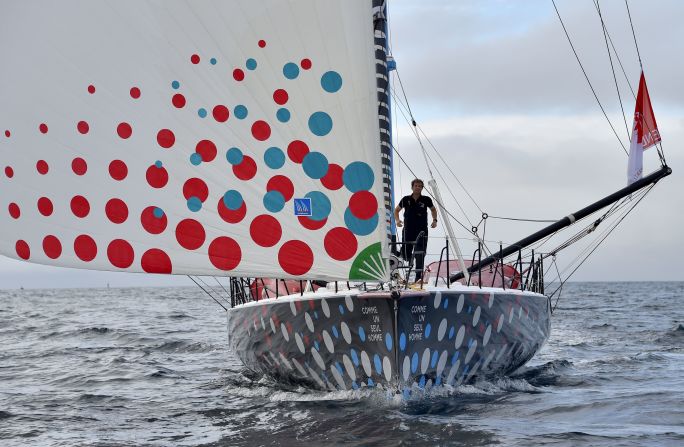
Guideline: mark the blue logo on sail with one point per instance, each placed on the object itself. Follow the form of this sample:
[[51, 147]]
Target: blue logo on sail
[[302, 207]]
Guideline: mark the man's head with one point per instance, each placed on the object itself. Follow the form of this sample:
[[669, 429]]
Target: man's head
[[417, 186]]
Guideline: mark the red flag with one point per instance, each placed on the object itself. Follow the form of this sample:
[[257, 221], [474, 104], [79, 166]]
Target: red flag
[[644, 132]]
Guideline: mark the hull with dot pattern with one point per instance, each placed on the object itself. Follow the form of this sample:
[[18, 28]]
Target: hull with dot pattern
[[416, 341]]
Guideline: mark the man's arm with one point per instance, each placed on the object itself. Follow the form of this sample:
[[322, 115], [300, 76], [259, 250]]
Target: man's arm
[[433, 210], [396, 215]]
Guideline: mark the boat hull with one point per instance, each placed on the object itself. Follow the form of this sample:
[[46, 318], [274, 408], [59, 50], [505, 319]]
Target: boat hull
[[401, 341]]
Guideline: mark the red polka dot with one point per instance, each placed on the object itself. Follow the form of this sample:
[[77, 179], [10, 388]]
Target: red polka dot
[[340, 244], [14, 210], [80, 206], [190, 234], [118, 170], [225, 253], [261, 130], [155, 260], [52, 247], [85, 248], [178, 101], [195, 59], [280, 96], [151, 223], [166, 138], [22, 249], [281, 184], [297, 150], [124, 130], [333, 178], [91, 89], [295, 257], [262, 43], [311, 224], [42, 167], [82, 127], [238, 74], [135, 92], [231, 216], [157, 177], [7, 133], [45, 206], [221, 113], [265, 230], [245, 170], [116, 210], [79, 166], [363, 204], [120, 253], [9, 172], [43, 128], [195, 187], [306, 64], [206, 149]]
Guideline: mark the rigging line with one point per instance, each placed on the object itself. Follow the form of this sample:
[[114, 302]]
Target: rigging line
[[465, 190], [428, 165], [523, 220], [224, 289], [211, 288], [205, 291], [634, 35], [587, 78], [612, 67]]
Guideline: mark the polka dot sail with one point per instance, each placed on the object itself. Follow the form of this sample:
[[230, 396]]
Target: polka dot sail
[[193, 139]]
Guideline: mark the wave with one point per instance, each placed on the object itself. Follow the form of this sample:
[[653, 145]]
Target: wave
[[183, 346], [5, 414], [674, 335]]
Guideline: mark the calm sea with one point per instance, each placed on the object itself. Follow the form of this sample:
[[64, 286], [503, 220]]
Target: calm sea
[[129, 367]]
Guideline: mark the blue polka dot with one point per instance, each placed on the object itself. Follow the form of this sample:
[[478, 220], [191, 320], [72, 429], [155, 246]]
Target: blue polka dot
[[388, 341], [421, 382], [316, 314], [315, 165], [331, 81], [274, 158], [274, 201], [320, 123], [454, 358], [320, 206], [428, 328], [339, 368], [414, 362], [446, 303], [358, 176], [370, 382], [291, 70], [317, 346], [202, 112], [355, 386], [335, 333], [234, 156], [251, 64], [341, 307], [406, 393], [158, 163], [240, 112], [438, 380], [212, 61], [283, 115], [175, 85], [194, 204], [451, 332], [402, 341], [232, 200], [355, 357], [362, 333], [360, 227], [378, 363], [158, 212], [195, 158], [435, 357]]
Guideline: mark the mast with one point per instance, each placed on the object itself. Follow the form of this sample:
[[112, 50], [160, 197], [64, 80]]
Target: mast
[[568, 220]]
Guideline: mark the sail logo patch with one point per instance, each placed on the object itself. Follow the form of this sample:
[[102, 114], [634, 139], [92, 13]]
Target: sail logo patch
[[302, 207]]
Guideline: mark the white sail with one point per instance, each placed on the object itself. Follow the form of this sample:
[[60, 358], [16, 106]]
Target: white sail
[[179, 137]]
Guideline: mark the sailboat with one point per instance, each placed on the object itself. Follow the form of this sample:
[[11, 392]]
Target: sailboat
[[251, 141]]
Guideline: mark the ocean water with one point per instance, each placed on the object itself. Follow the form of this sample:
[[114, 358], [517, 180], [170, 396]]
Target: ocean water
[[138, 367]]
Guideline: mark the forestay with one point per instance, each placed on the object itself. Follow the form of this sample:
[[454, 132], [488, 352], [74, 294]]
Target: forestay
[[208, 138]]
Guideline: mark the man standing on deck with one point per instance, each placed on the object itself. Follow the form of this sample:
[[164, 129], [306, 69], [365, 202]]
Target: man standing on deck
[[415, 215]]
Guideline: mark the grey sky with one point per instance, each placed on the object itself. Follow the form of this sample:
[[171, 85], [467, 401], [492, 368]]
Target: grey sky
[[496, 87]]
